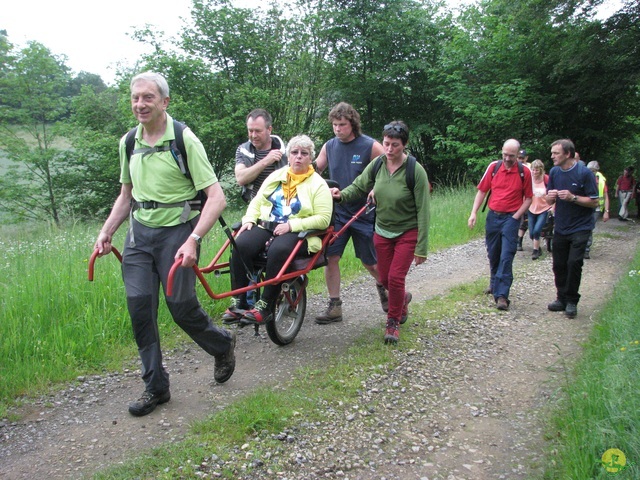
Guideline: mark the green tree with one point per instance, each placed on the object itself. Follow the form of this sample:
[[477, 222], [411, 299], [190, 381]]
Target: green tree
[[99, 119], [383, 59], [232, 60], [35, 185], [85, 78], [538, 71]]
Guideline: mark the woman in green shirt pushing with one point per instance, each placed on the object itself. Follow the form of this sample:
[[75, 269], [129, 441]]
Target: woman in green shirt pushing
[[402, 218]]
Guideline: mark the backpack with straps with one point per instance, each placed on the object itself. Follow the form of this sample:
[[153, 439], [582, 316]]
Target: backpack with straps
[[496, 167], [179, 153], [411, 171]]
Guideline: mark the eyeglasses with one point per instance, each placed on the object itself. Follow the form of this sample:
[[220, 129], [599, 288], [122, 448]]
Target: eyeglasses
[[304, 153], [398, 128]]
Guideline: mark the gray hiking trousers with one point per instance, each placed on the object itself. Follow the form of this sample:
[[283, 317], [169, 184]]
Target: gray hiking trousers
[[145, 266]]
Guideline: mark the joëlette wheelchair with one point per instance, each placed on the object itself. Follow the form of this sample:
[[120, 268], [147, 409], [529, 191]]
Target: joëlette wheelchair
[[291, 304]]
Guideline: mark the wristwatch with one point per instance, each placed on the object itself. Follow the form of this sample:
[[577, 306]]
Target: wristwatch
[[197, 238]]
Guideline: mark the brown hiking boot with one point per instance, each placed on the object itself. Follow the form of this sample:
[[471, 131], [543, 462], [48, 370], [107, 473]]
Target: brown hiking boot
[[502, 303], [332, 314], [405, 307], [384, 297], [391, 333]]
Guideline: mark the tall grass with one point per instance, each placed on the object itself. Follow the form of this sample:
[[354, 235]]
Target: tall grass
[[55, 325], [601, 409]]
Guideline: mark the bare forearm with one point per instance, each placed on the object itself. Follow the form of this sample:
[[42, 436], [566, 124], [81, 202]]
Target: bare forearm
[[216, 203], [119, 213]]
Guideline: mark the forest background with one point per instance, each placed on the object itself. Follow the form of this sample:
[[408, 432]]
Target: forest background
[[463, 81]]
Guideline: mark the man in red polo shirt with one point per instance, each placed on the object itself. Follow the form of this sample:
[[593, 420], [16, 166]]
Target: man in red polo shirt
[[511, 193]]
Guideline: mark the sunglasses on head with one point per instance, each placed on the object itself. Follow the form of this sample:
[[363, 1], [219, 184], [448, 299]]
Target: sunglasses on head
[[396, 127]]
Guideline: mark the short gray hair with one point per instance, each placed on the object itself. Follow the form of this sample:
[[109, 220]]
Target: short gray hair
[[593, 165], [304, 142], [159, 80]]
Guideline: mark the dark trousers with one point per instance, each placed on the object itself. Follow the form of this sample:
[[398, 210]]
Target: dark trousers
[[568, 258], [145, 266], [250, 244], [501, 239]]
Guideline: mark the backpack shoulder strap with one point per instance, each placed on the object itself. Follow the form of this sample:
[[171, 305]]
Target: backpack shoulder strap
[[521, 171], [178, 149], [130, 142], [496, 167], [376, 168], [177, 146], [411, 173]]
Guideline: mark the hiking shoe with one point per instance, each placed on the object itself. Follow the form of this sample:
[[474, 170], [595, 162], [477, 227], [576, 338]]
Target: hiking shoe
[[571, 310], [235, 312], [537, 253], [332, 314], [502, 303], [148, 402], [556, 306], [519, 246], [586, 255], [405, 307], [260, 314], [392, 333], [384, 297], [226, 363]]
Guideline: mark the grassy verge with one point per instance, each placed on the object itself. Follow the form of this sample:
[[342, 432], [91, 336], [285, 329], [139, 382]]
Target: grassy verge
[[56, 325], [601, 407], [252, 423], [598, 410]]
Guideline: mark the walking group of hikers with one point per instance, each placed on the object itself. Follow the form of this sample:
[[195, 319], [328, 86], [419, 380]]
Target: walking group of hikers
[[574, 193], [172, 198]]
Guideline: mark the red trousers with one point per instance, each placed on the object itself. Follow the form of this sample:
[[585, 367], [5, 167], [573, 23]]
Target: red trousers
[[394, 259]]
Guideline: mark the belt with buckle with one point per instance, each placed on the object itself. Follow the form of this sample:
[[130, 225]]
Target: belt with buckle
[[502, 213]]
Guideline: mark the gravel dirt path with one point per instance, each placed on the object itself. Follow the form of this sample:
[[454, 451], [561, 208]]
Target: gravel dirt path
[[468, 404]]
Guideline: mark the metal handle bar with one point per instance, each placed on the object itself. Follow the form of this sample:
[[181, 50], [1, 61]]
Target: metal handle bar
[[94, 255], [367, 207], [282, 275]]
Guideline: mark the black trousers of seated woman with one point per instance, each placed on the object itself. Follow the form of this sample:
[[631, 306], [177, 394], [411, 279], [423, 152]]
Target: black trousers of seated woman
[[250, 244]]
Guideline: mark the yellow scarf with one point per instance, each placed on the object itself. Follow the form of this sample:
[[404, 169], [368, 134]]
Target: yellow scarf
[[293, 180]]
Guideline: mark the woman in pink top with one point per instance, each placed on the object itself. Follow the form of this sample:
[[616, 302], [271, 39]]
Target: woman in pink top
[[539, 209]]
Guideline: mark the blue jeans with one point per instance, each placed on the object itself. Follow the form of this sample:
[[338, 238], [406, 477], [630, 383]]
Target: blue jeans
[[568, 258], [537, 221], [501, 238]]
